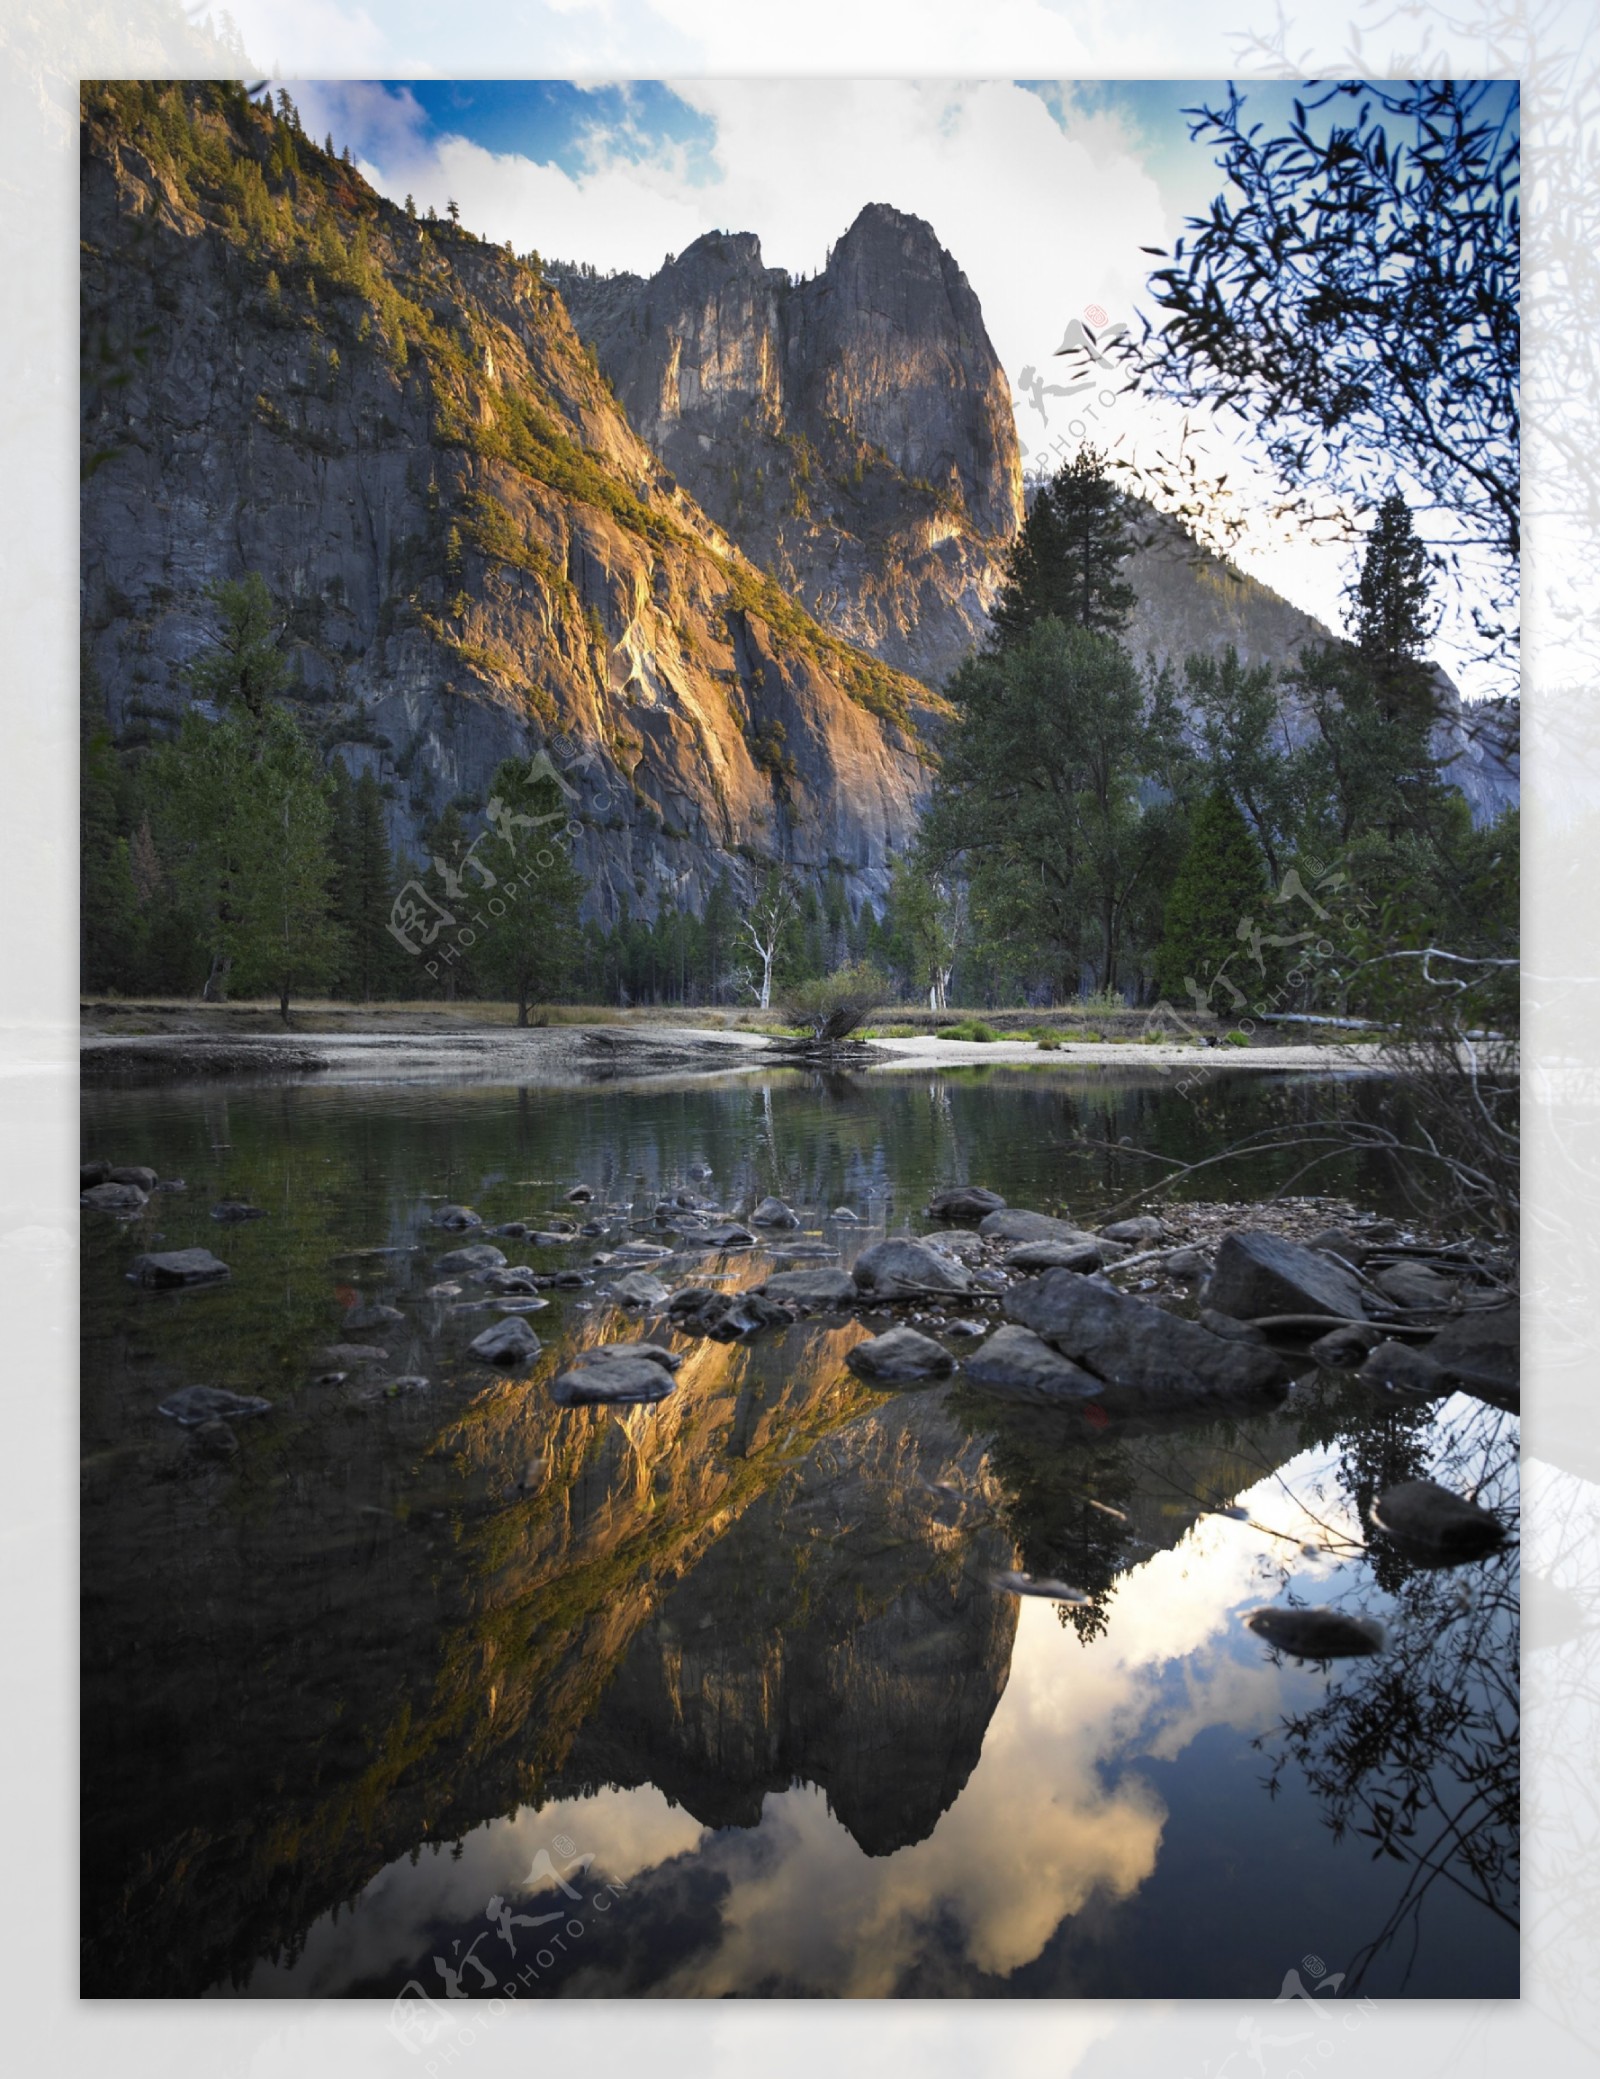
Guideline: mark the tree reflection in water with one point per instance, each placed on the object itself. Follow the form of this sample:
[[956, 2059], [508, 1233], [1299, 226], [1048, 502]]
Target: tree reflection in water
[[1415, 1750]]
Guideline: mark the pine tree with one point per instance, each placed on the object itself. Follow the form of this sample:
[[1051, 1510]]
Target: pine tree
[[1390, 618], [365, 886], [1066, 558], [529, 945], [244, 663], [1220, 882]]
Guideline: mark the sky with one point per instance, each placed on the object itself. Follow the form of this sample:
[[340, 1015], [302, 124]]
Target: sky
[[1044, 191]]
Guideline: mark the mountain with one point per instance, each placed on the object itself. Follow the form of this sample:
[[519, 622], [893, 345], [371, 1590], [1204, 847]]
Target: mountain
[[475, 553], [853, 431]]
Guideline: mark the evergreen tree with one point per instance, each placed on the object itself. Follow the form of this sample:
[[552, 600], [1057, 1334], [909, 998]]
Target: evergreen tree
[[365, 885], [1390, 618], [244, 664], [529, 949], [1219, 882], [110, 924], [1066, 559], [246, 813]]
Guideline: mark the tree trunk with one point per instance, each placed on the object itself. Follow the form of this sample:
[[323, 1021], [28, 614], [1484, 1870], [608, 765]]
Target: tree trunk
[[522, 1005], [283, 1002]]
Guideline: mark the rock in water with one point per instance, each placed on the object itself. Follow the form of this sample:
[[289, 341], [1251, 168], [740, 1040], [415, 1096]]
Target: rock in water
[[657, 1353], [134, 1173], [1072, 1256], [1144, 1228], [214, 1439], [1316, 1634], [195, 1405], [1482, 1351], [177, 1267], [114, 1198], [844, 1214], [1013, 1225], [1343, 1349], [639, 1289], [772, 1212], [232, 1209], [1403, 1365], [478, 1256], [609, 1379], [963, 1202], [1260, 1274], [457, 1217], [1038, 1584], [1187, 1264], [1016, 1364], [728, 1236], [1428, 1520], [521, 1279], [579, 1195], [92, 1173], [812, 1288], [904, 1269], [512, 1345], [900, 1356], [1146, 1356], [372, 1317], [334, 1355]]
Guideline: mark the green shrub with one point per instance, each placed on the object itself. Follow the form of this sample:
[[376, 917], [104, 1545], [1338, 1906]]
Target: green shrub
[[1236, 1039], [968, 1029], [1048, 1043], [830, 1009]]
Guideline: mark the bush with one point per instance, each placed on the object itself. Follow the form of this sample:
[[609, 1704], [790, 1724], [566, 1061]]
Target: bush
[[1048, 1043], [1236, 1039], [968, 1029], [830, 1009]]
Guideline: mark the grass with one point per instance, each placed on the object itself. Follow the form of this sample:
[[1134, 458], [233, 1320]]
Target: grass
[[967, 1029]]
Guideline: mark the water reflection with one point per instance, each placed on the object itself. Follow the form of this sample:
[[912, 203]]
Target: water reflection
[[741, 1648]]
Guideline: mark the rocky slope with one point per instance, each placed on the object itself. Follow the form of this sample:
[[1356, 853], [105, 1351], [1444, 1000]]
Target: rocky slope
[[476, 554], [853, 431]]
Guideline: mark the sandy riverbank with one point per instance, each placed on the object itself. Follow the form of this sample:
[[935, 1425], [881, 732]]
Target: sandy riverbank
[[440, 1048]]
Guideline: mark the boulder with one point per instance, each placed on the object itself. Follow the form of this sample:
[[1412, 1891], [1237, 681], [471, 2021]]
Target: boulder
[[372, 1317], [639, 1289], [959, 1242], [1415, 1285], [1230, 1330], [844, 1214], [1402, 1364], [1187, 1264], [92, 1173], [213, 1439], [114, 1198], [613, 1375], [1315, 1634], [1013, 1225], [963, 1202], [1144, 1354], [194, 1405], [515, 1229], [1339, 1241], [1430, 1522], [772, 1212], [1019, 1365], [812, 1288], [513, 1278], [569, 1281], [658, 1353], [729, 1235], [1481, 1351], [478, 1256], [725, 1316], [903, 1269], [899, 1357], [178, 1267], [579, 1195], [230, 1210], [1142, 1230], [1043, 1256], [1344, 1349], [1260, 1274], [510, 1344], [457, 1217], [136, 1174]]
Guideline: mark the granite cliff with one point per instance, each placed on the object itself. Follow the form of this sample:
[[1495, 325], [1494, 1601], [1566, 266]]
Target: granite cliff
[[475, 552]]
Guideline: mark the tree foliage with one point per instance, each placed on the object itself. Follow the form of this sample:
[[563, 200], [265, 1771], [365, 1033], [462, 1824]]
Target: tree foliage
[[1067, 556], [1219, 882], [1353, 296]]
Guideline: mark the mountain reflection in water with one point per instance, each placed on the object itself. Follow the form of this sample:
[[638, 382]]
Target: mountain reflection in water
[[718, 1696]]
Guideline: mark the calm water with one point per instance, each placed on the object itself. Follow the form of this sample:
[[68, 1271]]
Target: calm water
[[460, 1691]]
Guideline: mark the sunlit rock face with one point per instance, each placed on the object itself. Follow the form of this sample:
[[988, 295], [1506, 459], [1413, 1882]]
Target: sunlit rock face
[[473, 551], [853, 431], [844, 1634]]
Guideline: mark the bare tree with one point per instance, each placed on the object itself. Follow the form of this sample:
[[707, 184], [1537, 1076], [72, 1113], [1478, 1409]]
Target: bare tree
[[764, 925]]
